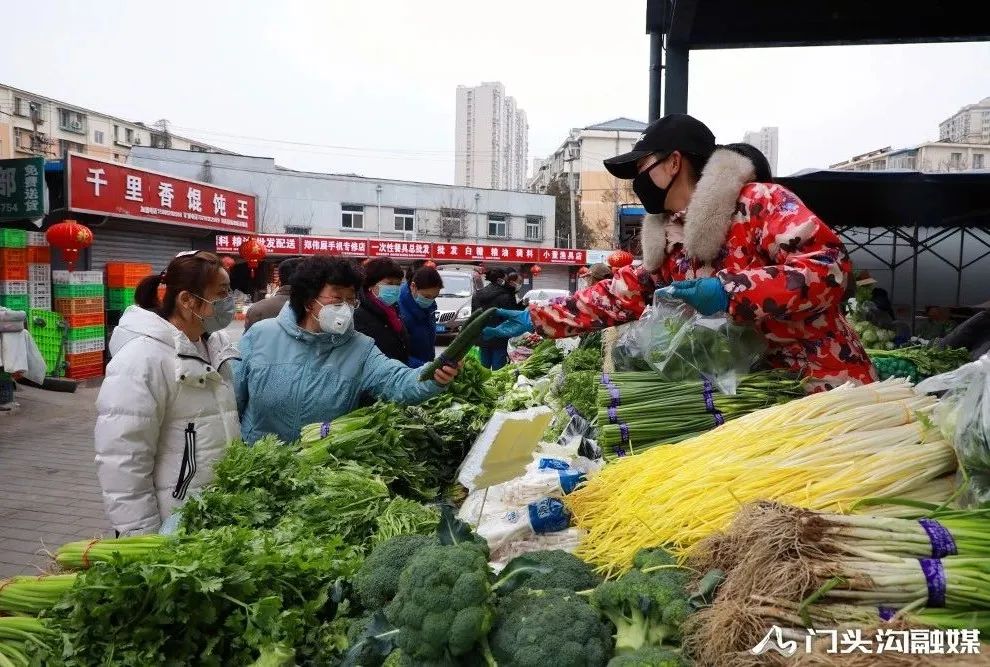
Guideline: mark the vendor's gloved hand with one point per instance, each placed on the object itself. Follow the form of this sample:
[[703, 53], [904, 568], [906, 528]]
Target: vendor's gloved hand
[[705, 295], [517, 322]]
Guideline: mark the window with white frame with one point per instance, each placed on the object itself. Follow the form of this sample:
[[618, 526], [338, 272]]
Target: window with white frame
[[97, 136], [352, 216], [71, 121], [405, 220], [498, 225], [977, 160], [534, 227]]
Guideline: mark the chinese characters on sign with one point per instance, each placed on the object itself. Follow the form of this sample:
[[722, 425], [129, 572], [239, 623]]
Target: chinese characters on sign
[[449, 252], [109, 188], [885, 640], [22, 188]]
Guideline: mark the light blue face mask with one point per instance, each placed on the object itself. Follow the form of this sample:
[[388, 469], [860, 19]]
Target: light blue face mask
[[389, 294], [423, 302]]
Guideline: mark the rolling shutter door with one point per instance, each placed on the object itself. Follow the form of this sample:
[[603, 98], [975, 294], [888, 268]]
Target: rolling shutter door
[[552, 277], [140, 247]]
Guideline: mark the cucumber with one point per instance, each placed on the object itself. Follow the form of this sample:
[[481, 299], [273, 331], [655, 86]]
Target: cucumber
[[460, 345]]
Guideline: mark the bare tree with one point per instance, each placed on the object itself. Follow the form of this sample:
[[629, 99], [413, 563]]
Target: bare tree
[[451, 220]]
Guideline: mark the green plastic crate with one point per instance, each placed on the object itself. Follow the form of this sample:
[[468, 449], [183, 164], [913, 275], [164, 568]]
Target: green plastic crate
[[120, 298], [78, 291], [46, 329], [87, 333], [14, 301], [13, 238]]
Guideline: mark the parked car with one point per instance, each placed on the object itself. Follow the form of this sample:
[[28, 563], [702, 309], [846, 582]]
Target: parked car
[[544, 295], [454, 300]]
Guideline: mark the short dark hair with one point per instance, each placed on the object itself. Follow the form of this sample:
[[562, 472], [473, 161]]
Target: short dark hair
[[414, 267], [314, 273], [286, 269], [379, 269], [760, 163], [427, 278], [494, 275]]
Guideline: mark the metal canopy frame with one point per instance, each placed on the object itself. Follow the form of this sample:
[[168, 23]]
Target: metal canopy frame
[[916, 240], [678, 26]]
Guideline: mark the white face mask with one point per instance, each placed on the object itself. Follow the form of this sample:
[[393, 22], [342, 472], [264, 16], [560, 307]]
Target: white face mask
[[336, 318]]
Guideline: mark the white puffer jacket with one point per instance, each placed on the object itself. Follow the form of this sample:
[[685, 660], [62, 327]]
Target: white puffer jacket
[[165, 415]]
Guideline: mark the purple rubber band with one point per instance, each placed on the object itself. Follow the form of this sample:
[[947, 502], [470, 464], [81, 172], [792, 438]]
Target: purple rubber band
[[614, 391], [624, 431], [571, 410], [619, 451], [613, 416], [886, 613], [707, 391], [606, 380], [935, 579], [324, 429], [942, 543]]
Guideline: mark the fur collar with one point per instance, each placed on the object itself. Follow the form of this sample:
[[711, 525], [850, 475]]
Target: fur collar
[[709, 213]]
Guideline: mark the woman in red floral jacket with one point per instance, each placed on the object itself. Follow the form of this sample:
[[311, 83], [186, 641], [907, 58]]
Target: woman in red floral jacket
[[724, 239]]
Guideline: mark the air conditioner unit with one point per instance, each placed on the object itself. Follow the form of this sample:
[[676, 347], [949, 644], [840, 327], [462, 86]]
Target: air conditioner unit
[[75, 125], [408, 236]]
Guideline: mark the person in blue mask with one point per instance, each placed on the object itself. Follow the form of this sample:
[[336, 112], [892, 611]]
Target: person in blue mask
[[377, 316], [417, 307], [310, 365]]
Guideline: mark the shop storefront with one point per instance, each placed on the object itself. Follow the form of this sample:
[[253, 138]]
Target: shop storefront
[[139, 215]]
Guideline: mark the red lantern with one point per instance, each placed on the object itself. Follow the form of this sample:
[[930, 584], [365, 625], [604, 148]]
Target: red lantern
[[620, 258], [430, 264], [228, 262], [535, 270], [70, 237], [253, 251]]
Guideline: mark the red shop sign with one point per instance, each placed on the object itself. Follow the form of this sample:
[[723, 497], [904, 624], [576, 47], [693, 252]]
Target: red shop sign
[[123, 191], [561, 256], [477, 253], [399, 249], [319, 245], [274, 244]]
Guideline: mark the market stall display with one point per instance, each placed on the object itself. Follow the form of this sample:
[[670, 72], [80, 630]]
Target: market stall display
[[385, 537]]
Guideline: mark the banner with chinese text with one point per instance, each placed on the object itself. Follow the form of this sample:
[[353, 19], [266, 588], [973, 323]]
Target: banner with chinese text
[[22, 188], [123, 191]]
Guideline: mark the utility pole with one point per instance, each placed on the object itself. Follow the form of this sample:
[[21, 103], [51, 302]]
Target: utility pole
[[572, 155], [378, 191], [477, 219]]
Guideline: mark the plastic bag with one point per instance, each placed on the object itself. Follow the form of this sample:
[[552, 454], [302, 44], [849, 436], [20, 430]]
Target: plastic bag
[[680, 344], [547, 515], [963, 416], [627, 355]]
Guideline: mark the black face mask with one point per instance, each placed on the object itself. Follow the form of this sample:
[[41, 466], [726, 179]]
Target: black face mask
[[651, 195]]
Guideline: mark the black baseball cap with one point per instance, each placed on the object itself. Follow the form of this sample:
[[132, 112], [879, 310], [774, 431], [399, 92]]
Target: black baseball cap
[[673, 132]]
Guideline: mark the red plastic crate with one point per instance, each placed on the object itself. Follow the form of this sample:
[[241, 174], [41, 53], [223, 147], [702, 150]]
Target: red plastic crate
[[13, 272], [124, 274], [37, 255], [13, 257], [84, 366], [91, 320], [88, 306]]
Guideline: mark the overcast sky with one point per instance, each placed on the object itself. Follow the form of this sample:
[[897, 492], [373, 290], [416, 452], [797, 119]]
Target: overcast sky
[[369, 86]]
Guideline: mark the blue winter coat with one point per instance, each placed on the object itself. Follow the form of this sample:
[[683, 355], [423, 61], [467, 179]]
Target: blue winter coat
[[289, 377], [421, 323]]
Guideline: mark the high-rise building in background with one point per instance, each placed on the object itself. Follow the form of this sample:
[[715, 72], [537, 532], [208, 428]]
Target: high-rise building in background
[[492, 139], [969, 125], [766, 140]]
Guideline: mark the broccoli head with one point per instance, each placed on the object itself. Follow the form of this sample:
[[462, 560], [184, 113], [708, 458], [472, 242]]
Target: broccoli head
[[549, 628], [655, 557], [649, 656], [376, 582], [565, 571], [443, 606], [646, 607]]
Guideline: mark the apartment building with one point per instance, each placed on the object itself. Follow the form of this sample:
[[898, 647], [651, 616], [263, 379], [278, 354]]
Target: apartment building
[[491, 139], [969, 125], [766, 140], [32, 124]]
